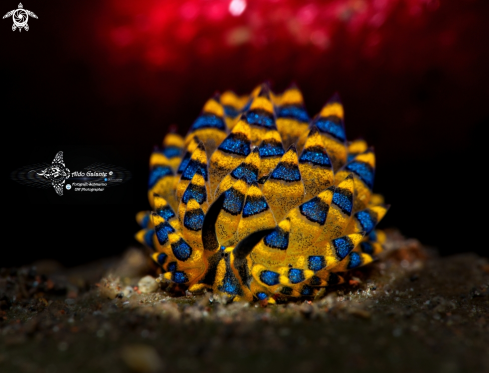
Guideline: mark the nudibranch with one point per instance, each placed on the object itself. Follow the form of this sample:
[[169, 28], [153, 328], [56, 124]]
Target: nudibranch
[[261, 202]]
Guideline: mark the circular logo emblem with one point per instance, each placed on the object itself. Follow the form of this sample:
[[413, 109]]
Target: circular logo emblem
[[68, 186], [20, 18]]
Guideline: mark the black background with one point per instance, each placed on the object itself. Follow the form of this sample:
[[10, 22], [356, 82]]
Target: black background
[[57, 81]]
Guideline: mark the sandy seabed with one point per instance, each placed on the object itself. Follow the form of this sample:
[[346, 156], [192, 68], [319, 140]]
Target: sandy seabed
[[412, 311]]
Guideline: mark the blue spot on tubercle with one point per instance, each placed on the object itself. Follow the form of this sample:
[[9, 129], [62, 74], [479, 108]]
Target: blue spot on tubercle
[[326, 125], [343, 246], [269, 278], [208, 121], [158, 173], [355, 260], [286, 172], [364, 171]]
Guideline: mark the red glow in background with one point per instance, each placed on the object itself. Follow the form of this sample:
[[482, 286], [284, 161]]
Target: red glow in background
[[413, 76], [399, 65]]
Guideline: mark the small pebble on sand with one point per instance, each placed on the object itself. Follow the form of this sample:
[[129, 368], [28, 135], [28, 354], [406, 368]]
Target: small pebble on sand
[[148, 284], [141, 358]]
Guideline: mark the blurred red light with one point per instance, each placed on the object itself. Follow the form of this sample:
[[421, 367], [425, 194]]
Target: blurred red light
[[237, 7], [122, 36]]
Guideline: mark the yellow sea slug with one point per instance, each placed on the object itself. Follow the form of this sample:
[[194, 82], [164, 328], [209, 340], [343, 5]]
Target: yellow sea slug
[[235, 212]]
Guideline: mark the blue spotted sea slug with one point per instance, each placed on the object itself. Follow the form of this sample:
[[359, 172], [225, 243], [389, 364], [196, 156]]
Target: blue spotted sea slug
[[259, 201]]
